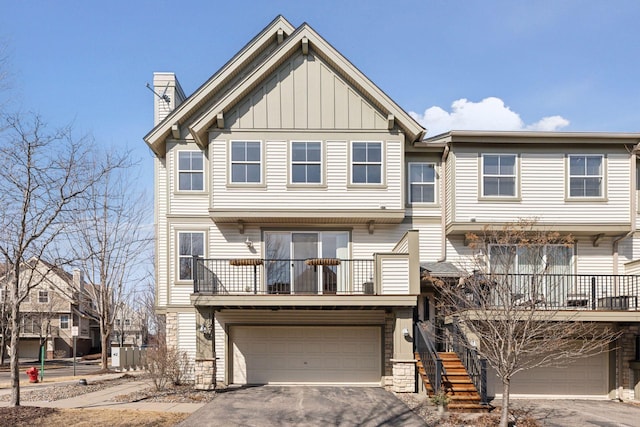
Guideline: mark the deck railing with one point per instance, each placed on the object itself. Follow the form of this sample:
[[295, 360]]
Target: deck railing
[[557, 291], [320, 276]]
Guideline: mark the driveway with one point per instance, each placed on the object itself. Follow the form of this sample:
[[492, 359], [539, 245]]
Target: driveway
[[308, 406], [581, 413]]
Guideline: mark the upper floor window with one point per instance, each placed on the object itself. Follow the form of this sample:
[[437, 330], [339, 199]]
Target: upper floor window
[[245, 162], [306, 163], [366, 163], [190, 171], [127, 322], [64, 321], [117, 322], [422, 182], [190, 244], [499, 175], [43, 297], [585, 175]]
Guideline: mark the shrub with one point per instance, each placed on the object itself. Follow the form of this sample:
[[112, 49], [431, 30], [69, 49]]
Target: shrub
[[166, 365]]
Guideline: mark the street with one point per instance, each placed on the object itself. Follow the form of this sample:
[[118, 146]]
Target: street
[[53, 369]]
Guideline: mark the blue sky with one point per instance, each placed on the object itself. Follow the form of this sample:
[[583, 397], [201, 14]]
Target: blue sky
[[550, 65]]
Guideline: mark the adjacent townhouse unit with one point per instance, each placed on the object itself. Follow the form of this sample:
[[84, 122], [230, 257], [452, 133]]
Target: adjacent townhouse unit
[[51, 311], [297, 208]]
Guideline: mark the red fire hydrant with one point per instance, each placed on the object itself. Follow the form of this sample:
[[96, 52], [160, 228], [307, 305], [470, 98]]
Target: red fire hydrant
[[33, 374]]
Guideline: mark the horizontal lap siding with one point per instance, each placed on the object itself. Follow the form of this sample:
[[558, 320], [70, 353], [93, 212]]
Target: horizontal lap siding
[[383, 239], [395, 276], [430, 239], [337, 194], [161, 231], [543, 181], [185, 203]]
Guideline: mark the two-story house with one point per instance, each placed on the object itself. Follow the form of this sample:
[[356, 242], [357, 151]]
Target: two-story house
[[53, 307], [297, 206]]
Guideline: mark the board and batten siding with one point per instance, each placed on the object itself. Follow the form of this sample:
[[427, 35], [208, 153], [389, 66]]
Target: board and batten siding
[[543, 180], [395, 276], [305, 93], [336, 194]]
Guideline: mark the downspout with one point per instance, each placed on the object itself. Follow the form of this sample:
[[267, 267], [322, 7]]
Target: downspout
[[443, 198]]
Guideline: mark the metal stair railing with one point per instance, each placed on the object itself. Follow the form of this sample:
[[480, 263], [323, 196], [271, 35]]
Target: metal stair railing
[[431, 362], [475, 365]]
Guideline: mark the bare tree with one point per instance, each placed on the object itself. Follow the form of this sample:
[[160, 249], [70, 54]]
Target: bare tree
[[509, 309], [112, 240], [41, 174]]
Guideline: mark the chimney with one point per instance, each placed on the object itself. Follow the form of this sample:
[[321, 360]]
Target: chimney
[[168, 96], [78, 280]]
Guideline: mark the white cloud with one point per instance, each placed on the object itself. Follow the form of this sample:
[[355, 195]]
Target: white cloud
[[488, 114]]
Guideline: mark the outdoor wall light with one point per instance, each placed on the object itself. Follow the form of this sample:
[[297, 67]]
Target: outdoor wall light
[[249, 243], [405, 332]]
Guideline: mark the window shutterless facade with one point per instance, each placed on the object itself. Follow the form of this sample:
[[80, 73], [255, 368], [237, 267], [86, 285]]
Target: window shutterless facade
[[64, 321], [366, 163], [586, 176], [499, 175], [189, 244], [43, 297], [306, 163], [190, 171], [246, 162], [422, 182]]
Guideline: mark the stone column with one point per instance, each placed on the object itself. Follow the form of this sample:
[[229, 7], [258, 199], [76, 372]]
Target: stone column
[[404, 363]]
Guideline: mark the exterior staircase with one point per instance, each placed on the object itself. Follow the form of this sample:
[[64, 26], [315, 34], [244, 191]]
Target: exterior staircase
[[463, 396]]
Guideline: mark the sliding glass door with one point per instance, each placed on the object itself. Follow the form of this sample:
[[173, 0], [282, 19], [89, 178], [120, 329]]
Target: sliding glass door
[[306, 262]]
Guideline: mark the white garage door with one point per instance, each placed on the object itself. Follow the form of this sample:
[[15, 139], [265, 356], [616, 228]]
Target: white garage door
[[583, 378], [306, 355]]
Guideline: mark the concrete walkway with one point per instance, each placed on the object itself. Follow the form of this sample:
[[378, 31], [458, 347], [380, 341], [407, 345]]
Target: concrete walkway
[[102, 399]]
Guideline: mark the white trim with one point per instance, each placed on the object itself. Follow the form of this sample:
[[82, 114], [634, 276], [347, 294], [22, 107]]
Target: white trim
[[178, 256], [515, 175], [260, 163], [601, 175], [382, 163], [434, 183], [190, 171], [321, 162]]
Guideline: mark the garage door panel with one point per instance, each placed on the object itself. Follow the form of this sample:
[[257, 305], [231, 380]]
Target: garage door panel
[[289, 354], [583, 377]]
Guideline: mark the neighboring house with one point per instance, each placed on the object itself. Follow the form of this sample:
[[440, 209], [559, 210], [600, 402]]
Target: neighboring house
[[51, 310], [129, 328], [297, 206]]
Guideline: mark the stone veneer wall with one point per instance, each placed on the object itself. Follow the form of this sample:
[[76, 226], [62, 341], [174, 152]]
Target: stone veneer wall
[[404, 376], [388, 348], [626, 374], [205, 374], [171, 325]]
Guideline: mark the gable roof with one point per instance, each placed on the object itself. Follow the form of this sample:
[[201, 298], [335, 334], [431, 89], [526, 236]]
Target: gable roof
[[304, 37], [156, 137]]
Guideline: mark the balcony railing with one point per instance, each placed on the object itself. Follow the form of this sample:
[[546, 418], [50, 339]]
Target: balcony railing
[[319, 276], [556, 291]]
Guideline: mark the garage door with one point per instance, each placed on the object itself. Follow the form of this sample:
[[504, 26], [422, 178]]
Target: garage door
[[306, 355], [584, 377], [29, 348]]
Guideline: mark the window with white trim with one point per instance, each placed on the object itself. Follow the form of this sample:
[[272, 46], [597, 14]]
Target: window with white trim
[[190, 171], [246, 162], [64, 321], [306, 163], [422, 182], [585, 175], [366, 163], [43, 297], [189, 244], [499, 175]]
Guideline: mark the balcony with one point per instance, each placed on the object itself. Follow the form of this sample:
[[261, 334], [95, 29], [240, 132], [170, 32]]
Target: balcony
[[560, 292], [383, 280]]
